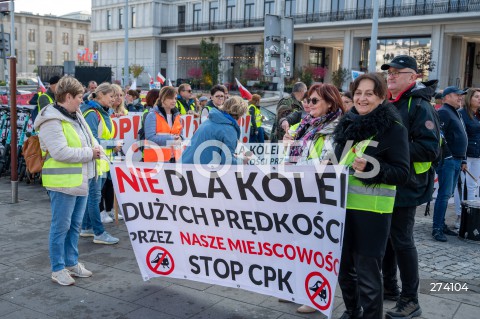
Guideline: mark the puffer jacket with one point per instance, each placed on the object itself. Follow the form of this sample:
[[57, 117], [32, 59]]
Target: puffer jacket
[[423, 128], [220, 127], [52, 139]]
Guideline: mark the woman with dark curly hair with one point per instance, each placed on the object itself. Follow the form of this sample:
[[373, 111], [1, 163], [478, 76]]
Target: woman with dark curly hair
[[377, 161]]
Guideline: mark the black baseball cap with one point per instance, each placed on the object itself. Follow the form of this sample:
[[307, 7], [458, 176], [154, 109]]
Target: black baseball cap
[[54, 79], [452, 89], [401, 62]]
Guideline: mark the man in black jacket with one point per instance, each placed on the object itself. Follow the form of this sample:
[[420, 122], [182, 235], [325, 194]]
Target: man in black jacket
[[412, 99], [453, 159]]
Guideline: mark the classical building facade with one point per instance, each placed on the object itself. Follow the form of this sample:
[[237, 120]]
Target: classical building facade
[[165, 35], [48, 39]]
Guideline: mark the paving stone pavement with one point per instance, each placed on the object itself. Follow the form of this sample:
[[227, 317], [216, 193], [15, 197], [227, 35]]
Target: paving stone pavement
[[117, 290]]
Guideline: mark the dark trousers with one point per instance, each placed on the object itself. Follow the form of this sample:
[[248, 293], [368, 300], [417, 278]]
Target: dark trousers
[[106, 203], [401, 251], [360, 275]]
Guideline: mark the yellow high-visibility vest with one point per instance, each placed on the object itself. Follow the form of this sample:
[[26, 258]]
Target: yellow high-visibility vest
[[60, 174], [258, 116], [183, 110], [104, 165], [379, 199]]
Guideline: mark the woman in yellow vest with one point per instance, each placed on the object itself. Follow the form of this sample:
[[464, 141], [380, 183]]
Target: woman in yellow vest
[[377, 161], [257, 134], [312, 140], [163, 129], [312, 137], [106, 202], [96, 113], [71, 151]]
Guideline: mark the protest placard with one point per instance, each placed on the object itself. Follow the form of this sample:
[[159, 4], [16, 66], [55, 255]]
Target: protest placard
[[250, 227]]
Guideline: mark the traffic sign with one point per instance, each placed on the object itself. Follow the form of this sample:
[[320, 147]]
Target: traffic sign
[[5, 6], [5, 44]]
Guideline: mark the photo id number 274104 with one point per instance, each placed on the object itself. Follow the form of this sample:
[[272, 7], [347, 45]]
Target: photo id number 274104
[[448, 287]]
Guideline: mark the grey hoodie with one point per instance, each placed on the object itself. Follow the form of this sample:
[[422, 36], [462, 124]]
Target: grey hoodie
[[52, 139]]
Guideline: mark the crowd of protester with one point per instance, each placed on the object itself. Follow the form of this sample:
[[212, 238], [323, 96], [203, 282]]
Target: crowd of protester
[[411, 128]]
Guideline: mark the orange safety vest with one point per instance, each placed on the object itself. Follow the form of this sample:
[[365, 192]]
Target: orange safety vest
[[152, 154]]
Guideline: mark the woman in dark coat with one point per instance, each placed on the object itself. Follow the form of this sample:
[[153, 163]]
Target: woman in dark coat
[[377, 161]]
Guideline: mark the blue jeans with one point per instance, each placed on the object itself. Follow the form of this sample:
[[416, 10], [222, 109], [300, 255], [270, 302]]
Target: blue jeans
[[448, 172], [67, 214], [259, 137], [91, 219]]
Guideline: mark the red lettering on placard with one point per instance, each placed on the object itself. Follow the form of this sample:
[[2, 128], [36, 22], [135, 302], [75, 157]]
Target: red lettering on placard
[[125, 126], [148, 184]]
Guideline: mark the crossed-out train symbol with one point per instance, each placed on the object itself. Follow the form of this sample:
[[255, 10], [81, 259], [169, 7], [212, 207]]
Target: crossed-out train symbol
[[323, 293], [165, 262]]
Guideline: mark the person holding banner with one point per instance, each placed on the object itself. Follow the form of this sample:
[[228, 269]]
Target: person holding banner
[[378, 161], [471, 118], [163, 128], [96, 114], [71, 152], [312, 140], [219, 135]]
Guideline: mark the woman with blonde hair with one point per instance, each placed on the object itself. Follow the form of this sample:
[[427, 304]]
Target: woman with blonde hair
[[96, 113], [118, 108], [68, 169], [221, 130]]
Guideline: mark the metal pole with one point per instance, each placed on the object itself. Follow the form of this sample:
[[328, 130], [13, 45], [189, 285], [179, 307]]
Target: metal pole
[[125, 63], [372, 63], [12, 28], [13, 126], [281, 83]]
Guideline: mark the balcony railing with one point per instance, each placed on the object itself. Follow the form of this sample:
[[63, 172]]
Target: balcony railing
[[431, 8]]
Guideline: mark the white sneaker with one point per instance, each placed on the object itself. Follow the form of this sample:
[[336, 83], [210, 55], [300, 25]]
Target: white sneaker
[[79, 270], [105, 218], [112, 215], [457, 223], [63, 277], [306, 309]]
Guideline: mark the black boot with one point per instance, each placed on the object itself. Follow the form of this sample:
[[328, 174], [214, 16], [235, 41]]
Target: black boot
[[356, 314], [406, 308]]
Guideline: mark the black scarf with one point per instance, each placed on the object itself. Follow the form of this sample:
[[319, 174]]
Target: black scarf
[[64, 111], [356, 127]]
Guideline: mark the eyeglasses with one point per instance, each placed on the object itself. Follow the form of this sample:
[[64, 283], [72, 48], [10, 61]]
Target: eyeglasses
[[396, 74], [219, 96], [189, 91], [313, 100]]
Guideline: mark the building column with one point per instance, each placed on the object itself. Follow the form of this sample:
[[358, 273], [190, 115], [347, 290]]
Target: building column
[[438, 55], [172, 66]]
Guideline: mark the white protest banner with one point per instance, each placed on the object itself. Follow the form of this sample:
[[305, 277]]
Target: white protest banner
[[249, 227], [244, 123], [190, 125], [262, 153], [126, 129]]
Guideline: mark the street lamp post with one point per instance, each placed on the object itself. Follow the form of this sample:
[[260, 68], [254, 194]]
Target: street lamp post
[[125, 63]]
